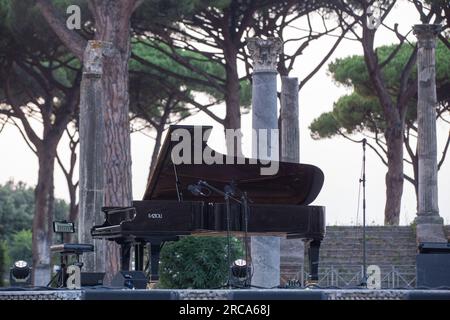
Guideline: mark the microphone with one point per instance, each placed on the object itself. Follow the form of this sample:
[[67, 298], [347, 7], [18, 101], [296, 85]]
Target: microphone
[[229, 190], [202, 183], [196, 190]]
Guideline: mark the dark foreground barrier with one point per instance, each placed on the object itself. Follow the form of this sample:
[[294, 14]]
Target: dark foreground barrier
[[272, 294]]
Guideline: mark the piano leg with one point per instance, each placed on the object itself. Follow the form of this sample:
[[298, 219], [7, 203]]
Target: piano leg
[[313, 254], [139, 257], [155, 250], [125, 250]]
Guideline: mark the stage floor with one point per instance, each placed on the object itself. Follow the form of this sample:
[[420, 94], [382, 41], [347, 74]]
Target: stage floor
[[236, 294]]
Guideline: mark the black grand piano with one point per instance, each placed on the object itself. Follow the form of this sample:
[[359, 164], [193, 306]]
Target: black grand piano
[[176, 202]]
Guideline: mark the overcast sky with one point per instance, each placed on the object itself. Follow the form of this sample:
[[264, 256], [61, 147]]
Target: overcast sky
[[339, 159]]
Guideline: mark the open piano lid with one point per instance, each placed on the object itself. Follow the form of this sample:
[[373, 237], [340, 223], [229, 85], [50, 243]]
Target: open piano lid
[[293, 184]]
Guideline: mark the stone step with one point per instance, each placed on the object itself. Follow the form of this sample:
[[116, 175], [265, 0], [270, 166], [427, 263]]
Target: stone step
[[381, 244], [368, 234], [368, 231], [372, 253], [359, 253], [369, 246], [323, 267], [400, 261], [359, 250], [369, 228], [371, 259], [369, 262], [342, 250], [347, 260], [349, 241], [369, 238], [371, 233], [351, 246], [407, 268], [332, 262], [343, 260], [387, 251], [368, 255]]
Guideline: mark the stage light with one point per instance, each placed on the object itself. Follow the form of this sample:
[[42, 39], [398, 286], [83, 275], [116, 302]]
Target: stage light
[[20, 274], [239, 269]]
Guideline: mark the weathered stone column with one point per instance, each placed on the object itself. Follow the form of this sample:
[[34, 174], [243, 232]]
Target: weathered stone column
[[265, 251], [289, 114], [292, 253], [91, 153], [429, 223]]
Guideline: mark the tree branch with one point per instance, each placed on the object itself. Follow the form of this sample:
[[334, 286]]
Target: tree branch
[[72, 40], [369, 144], [444, 153], [324, 60], [24, 136], [148, 63], [406, 91], [21, 116], [444, 40]]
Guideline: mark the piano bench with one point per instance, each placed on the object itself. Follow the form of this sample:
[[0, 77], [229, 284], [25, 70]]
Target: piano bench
[[72, 248]]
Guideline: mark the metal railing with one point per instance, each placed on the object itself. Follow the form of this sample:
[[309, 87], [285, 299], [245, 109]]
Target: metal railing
[[348, 276]]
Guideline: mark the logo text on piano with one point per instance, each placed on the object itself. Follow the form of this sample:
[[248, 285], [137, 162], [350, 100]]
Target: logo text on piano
[[151, 215]]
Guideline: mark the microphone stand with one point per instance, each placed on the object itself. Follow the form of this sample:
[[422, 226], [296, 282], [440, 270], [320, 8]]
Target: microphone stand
[[363, 180], [227, 204], [244, 202], [227, 196], [207, 185]]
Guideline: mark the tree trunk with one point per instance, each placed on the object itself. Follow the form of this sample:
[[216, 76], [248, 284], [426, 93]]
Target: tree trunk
[[232, 98], [232, 101], [394, 176], [43, 216], [73, 211], [395, 119], [113, 25]]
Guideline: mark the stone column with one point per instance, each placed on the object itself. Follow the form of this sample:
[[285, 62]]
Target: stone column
[[290, 132], [91, 153], [264, 54], [292, 253], [265, 251], [429, 223]]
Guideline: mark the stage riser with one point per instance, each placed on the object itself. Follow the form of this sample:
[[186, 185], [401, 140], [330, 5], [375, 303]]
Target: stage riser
[[433, 270], [277, 294]]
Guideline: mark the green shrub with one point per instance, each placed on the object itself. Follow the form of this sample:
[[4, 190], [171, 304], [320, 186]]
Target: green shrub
[[2, 263], [20, 247], [196, 262]]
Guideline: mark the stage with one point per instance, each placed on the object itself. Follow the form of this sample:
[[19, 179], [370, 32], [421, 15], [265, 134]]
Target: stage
[[104, 293]]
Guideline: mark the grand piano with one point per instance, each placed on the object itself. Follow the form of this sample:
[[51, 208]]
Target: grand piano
[[177, 201]]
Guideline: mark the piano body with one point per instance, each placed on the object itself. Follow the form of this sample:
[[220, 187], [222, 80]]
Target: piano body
[[278, 204]]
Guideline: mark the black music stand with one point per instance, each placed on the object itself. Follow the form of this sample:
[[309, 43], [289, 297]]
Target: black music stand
[[67, 249]]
